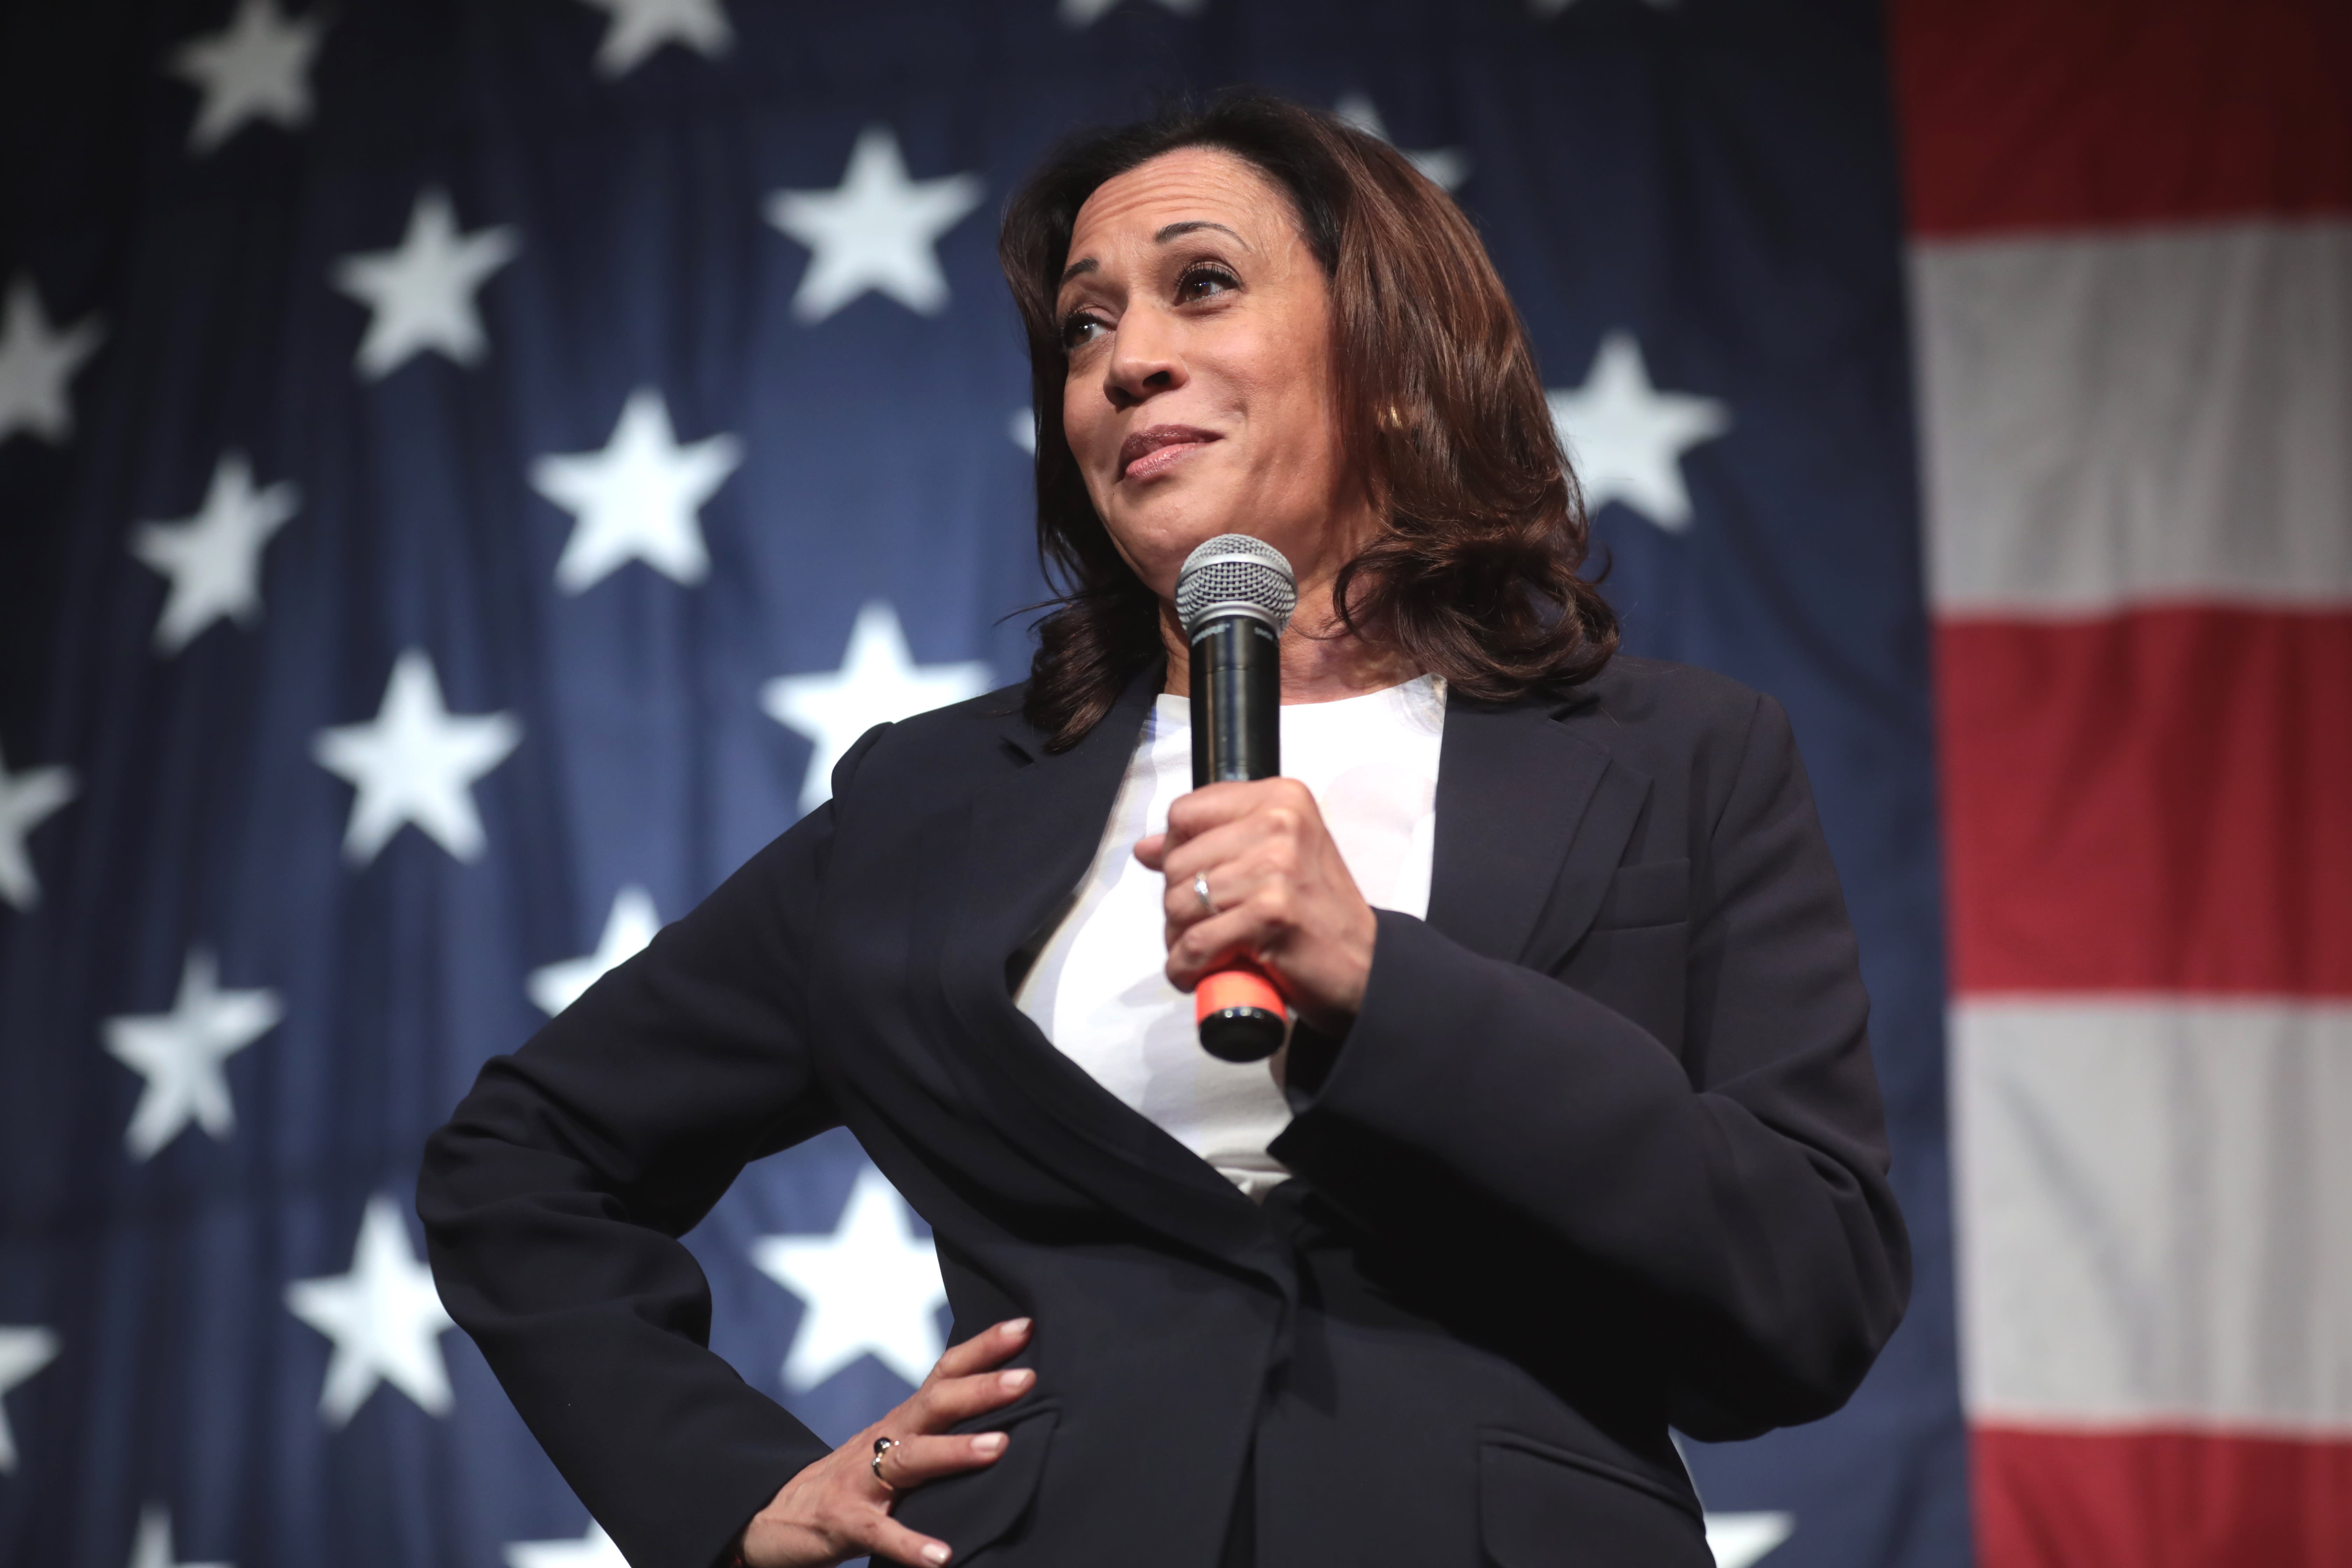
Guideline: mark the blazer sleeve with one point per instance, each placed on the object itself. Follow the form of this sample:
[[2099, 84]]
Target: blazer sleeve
[[553, 1199], [1739, 1185]]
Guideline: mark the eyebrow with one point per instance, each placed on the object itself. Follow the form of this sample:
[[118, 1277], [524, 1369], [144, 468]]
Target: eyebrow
[[1171, 231]]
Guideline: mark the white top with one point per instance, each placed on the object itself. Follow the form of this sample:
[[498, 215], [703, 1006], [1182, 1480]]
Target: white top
[[1099, 989]]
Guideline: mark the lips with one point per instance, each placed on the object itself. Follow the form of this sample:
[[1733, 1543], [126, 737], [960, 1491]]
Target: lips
[[1149, 451]]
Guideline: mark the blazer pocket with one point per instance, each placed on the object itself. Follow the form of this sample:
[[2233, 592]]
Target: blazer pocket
[[974, 1509], [1653, 894], [1540, 1506]]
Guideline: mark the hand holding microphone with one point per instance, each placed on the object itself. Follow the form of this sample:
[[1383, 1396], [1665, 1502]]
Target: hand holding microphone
[[1260, 907]]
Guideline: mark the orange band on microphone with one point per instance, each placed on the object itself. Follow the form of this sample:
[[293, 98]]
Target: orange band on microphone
[[1230, 988]]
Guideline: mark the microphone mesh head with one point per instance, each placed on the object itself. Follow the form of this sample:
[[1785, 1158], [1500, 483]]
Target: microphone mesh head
[[1235, 573]]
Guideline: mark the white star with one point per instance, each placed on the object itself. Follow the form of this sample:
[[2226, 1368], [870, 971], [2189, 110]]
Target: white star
[[1444, 167], [23, 1352], [636, 499], [1739, 1539], [422, 294], [593, 1549], [1086, 13], [180, 1054], [876, 230], [415, 762], [35, 363], [1625, 439], [27, 800], [384, 1317], [214, 559], [627, 930], [871, 1286], [1022, 428], [153, 1548], [640, 26], [878, 682], [258, 68]]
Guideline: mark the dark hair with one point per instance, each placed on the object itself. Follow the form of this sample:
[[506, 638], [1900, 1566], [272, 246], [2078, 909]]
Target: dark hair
[[1475, 574]]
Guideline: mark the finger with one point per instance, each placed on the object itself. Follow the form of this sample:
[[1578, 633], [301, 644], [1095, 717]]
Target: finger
[[949, 1400], [1256, 836], [891, 1541], [1151, 848], [1209, 944], [1213, 804], [984, 1348], [911, 1462]]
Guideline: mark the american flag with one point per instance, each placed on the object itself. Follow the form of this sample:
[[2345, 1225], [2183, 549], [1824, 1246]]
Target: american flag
[[466, 470]]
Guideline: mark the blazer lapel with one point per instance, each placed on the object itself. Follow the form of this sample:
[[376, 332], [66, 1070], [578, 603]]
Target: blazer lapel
[[1028, 839], [1532, 816]]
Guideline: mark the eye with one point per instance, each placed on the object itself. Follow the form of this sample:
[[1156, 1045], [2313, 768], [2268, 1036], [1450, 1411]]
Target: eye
[[1203, 281], [1074, 334]]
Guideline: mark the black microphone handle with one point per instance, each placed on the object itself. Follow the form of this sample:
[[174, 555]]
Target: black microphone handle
[[1236, 678], [1236, 702]]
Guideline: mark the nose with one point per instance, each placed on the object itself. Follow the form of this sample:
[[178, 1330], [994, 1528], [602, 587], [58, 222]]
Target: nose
[[1144, 361]]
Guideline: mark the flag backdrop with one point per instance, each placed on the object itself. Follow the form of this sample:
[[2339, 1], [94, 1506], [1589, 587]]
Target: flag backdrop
[[467, 468], [2132, 275]]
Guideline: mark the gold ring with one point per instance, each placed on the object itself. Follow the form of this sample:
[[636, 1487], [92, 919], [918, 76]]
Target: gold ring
[[881, 1446]]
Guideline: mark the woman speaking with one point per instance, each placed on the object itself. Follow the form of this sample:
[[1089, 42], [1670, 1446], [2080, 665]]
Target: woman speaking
[[1575, 1134]]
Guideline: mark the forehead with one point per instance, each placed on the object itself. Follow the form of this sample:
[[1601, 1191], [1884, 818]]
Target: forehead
[[1190, 184]]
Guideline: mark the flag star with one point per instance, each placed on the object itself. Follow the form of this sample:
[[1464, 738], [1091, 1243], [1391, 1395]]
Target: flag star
[[152, 1546], [37, 361], [878, 229], [593, 1549], [1086, 13], [878, 681], [1022, 428], [258, 68], [1444, 167], [640, 26], [872, 1286], [180, 1054], [23, 1352], [639, 498], [415, 762], [627, 930], [421, 293], [27, 800], [1739, 1539], [1625, 439], [384, 1316], [214, 559]]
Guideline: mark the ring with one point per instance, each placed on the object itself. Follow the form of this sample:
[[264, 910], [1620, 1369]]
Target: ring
[[881, 1446], [1200, 891]]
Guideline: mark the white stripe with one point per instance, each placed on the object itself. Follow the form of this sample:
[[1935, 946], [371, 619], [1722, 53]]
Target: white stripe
[[2155, 1212], [2152, 418]]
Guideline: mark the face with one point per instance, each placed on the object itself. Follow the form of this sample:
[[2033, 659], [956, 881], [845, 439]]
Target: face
[[1199, 399]]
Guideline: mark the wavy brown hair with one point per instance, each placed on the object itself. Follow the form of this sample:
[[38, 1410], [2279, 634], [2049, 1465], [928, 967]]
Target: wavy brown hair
[[1475, 575]]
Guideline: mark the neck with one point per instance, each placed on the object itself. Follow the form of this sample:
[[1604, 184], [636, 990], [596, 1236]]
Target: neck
[[1321, 661]]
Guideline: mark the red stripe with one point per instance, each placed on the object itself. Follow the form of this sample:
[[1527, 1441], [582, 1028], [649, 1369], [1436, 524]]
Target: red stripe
[[2039, 114], [2160, 1500], [2161, 800]]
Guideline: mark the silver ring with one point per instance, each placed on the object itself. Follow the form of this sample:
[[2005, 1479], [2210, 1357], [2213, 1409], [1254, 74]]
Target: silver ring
[[881, 1446], [1200, 891]]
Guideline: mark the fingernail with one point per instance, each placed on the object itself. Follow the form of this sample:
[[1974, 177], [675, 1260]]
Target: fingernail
[[1019, 1377], [934, 1552], [1016, 1325], [988, 1442]]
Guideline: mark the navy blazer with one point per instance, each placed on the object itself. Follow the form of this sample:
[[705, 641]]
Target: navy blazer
[[1602, 1150]]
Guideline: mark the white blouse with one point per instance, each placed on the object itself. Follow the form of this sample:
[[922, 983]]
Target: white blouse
[[1098, 990]]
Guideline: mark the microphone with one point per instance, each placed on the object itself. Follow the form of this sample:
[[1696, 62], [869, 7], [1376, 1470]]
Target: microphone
[[1235, 595]]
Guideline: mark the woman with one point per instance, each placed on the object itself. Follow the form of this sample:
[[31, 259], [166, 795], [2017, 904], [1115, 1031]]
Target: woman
[[1576, 1133]]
